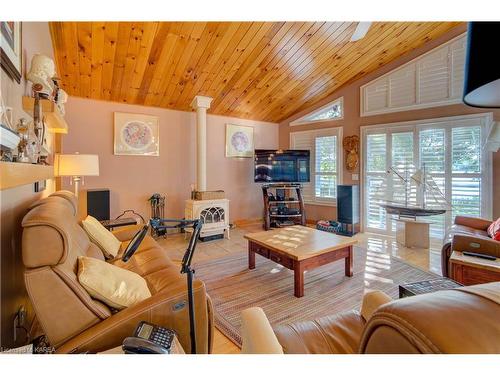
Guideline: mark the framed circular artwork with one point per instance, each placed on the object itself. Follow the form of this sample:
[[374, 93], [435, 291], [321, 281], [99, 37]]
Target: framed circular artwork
[[136, 134], [239, 141]]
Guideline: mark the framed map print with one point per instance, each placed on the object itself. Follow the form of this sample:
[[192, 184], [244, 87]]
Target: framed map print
[[239, 141], [11, 49], [136, 134]]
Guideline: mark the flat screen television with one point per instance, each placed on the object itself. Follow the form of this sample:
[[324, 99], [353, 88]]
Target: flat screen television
[[272, 166]]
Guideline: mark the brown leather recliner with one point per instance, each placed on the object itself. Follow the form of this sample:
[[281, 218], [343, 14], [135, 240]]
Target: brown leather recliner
[[463, 320], [72, 320], [463, 232]]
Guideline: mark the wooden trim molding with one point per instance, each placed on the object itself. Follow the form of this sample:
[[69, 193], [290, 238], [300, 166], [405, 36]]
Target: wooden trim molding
[[243, 222], [17, 174]]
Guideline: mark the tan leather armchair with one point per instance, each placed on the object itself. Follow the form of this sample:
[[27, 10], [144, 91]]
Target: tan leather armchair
[[463, 320], [461, 234], [71, 319]]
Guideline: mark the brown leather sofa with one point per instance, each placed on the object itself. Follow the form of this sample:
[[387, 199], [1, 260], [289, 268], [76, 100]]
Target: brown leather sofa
[[467, 234], [463, 320], [73, 321]]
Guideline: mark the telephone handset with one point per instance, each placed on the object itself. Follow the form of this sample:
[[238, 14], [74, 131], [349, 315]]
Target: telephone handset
[[149, 339]]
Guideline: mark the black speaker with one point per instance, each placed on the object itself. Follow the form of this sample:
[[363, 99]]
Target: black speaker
[[348, 204], [98, 203]]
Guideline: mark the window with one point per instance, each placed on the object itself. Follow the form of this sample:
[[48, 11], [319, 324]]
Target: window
[[432, 79], [325, 163], [449, 149], [331, 111]]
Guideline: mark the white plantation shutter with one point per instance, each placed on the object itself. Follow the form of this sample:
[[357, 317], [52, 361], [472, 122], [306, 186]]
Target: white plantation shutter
[[438, 222], [432, 151], [457, 67], [466, 149], [376, 180], [325, 163], [402, 89], [466, 171], [433, 72], [377, 147], [304, 141], [325, 168], [402, 160], [375, 96], [376, 215], [433, 79]]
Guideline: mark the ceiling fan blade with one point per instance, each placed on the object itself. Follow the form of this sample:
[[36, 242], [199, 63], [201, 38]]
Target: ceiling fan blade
[[360, 31]]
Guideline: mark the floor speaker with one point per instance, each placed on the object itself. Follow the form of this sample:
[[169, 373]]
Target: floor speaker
[[348, 207], [98, 203]]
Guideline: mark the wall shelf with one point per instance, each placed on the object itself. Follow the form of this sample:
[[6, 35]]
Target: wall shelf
[[17, 174], [53, 118]]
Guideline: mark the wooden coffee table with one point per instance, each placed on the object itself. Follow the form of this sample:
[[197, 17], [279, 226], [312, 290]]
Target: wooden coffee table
[[299, 249]]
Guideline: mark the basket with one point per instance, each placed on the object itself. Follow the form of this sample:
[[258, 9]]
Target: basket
[[208, 195]]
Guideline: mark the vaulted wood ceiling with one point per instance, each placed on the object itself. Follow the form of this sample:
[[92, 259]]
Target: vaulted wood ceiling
[[258, 70]]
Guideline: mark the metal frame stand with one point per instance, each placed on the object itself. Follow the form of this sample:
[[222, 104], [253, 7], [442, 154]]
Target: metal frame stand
[[159, 223]]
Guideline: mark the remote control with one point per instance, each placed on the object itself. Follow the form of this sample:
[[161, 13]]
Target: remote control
[[477, 255]]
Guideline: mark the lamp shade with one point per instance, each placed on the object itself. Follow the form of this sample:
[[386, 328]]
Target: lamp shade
[[482, 69], [76, 165]]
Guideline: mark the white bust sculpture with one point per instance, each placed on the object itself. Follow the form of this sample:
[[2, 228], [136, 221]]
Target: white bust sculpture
[[42, 70]]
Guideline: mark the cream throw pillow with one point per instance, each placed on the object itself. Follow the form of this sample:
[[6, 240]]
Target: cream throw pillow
[[115, 286], [102, 237]]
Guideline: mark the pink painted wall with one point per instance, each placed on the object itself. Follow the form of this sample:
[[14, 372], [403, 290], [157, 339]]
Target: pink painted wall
[[133, 179], [352, 121], [14, 202]]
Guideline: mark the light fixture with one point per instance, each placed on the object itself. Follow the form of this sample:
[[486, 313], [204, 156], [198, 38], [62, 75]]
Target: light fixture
[[76, 166], [360, 31], [482, 69]]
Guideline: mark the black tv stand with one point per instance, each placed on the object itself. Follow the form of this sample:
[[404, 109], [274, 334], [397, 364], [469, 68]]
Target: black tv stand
[[285, 208]]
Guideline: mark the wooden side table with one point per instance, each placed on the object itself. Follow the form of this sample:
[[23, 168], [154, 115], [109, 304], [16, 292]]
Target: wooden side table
[[470, 270], [411, 233]]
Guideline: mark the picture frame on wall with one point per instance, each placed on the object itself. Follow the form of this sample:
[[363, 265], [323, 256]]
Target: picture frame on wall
[[239, 141], [136, 134], [11, 51]]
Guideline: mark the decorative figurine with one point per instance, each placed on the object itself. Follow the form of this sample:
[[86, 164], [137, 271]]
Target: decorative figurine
[[351, 147], [42, 72], [22, 148]]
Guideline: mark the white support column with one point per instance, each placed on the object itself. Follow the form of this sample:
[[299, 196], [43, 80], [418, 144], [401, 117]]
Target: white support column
[[201, 104]]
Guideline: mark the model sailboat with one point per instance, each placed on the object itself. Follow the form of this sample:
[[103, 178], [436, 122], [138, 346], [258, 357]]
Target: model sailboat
[[411, 192]]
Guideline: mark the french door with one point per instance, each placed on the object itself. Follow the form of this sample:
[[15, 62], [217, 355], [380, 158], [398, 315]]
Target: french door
[[451, 150]]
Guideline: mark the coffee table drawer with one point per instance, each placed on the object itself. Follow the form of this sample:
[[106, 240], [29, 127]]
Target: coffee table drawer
[[280, 259], [259, 250]]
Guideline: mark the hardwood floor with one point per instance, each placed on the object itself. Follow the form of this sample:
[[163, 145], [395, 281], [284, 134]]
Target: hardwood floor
[[175, 245]]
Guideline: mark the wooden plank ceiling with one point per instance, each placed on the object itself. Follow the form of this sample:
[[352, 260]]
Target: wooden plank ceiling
[[258, 70]]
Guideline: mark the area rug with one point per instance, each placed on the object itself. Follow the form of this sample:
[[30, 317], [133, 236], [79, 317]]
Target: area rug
[[234, 288]]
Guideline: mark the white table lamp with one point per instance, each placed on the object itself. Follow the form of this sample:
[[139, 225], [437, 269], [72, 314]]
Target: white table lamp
[[76, 166]]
